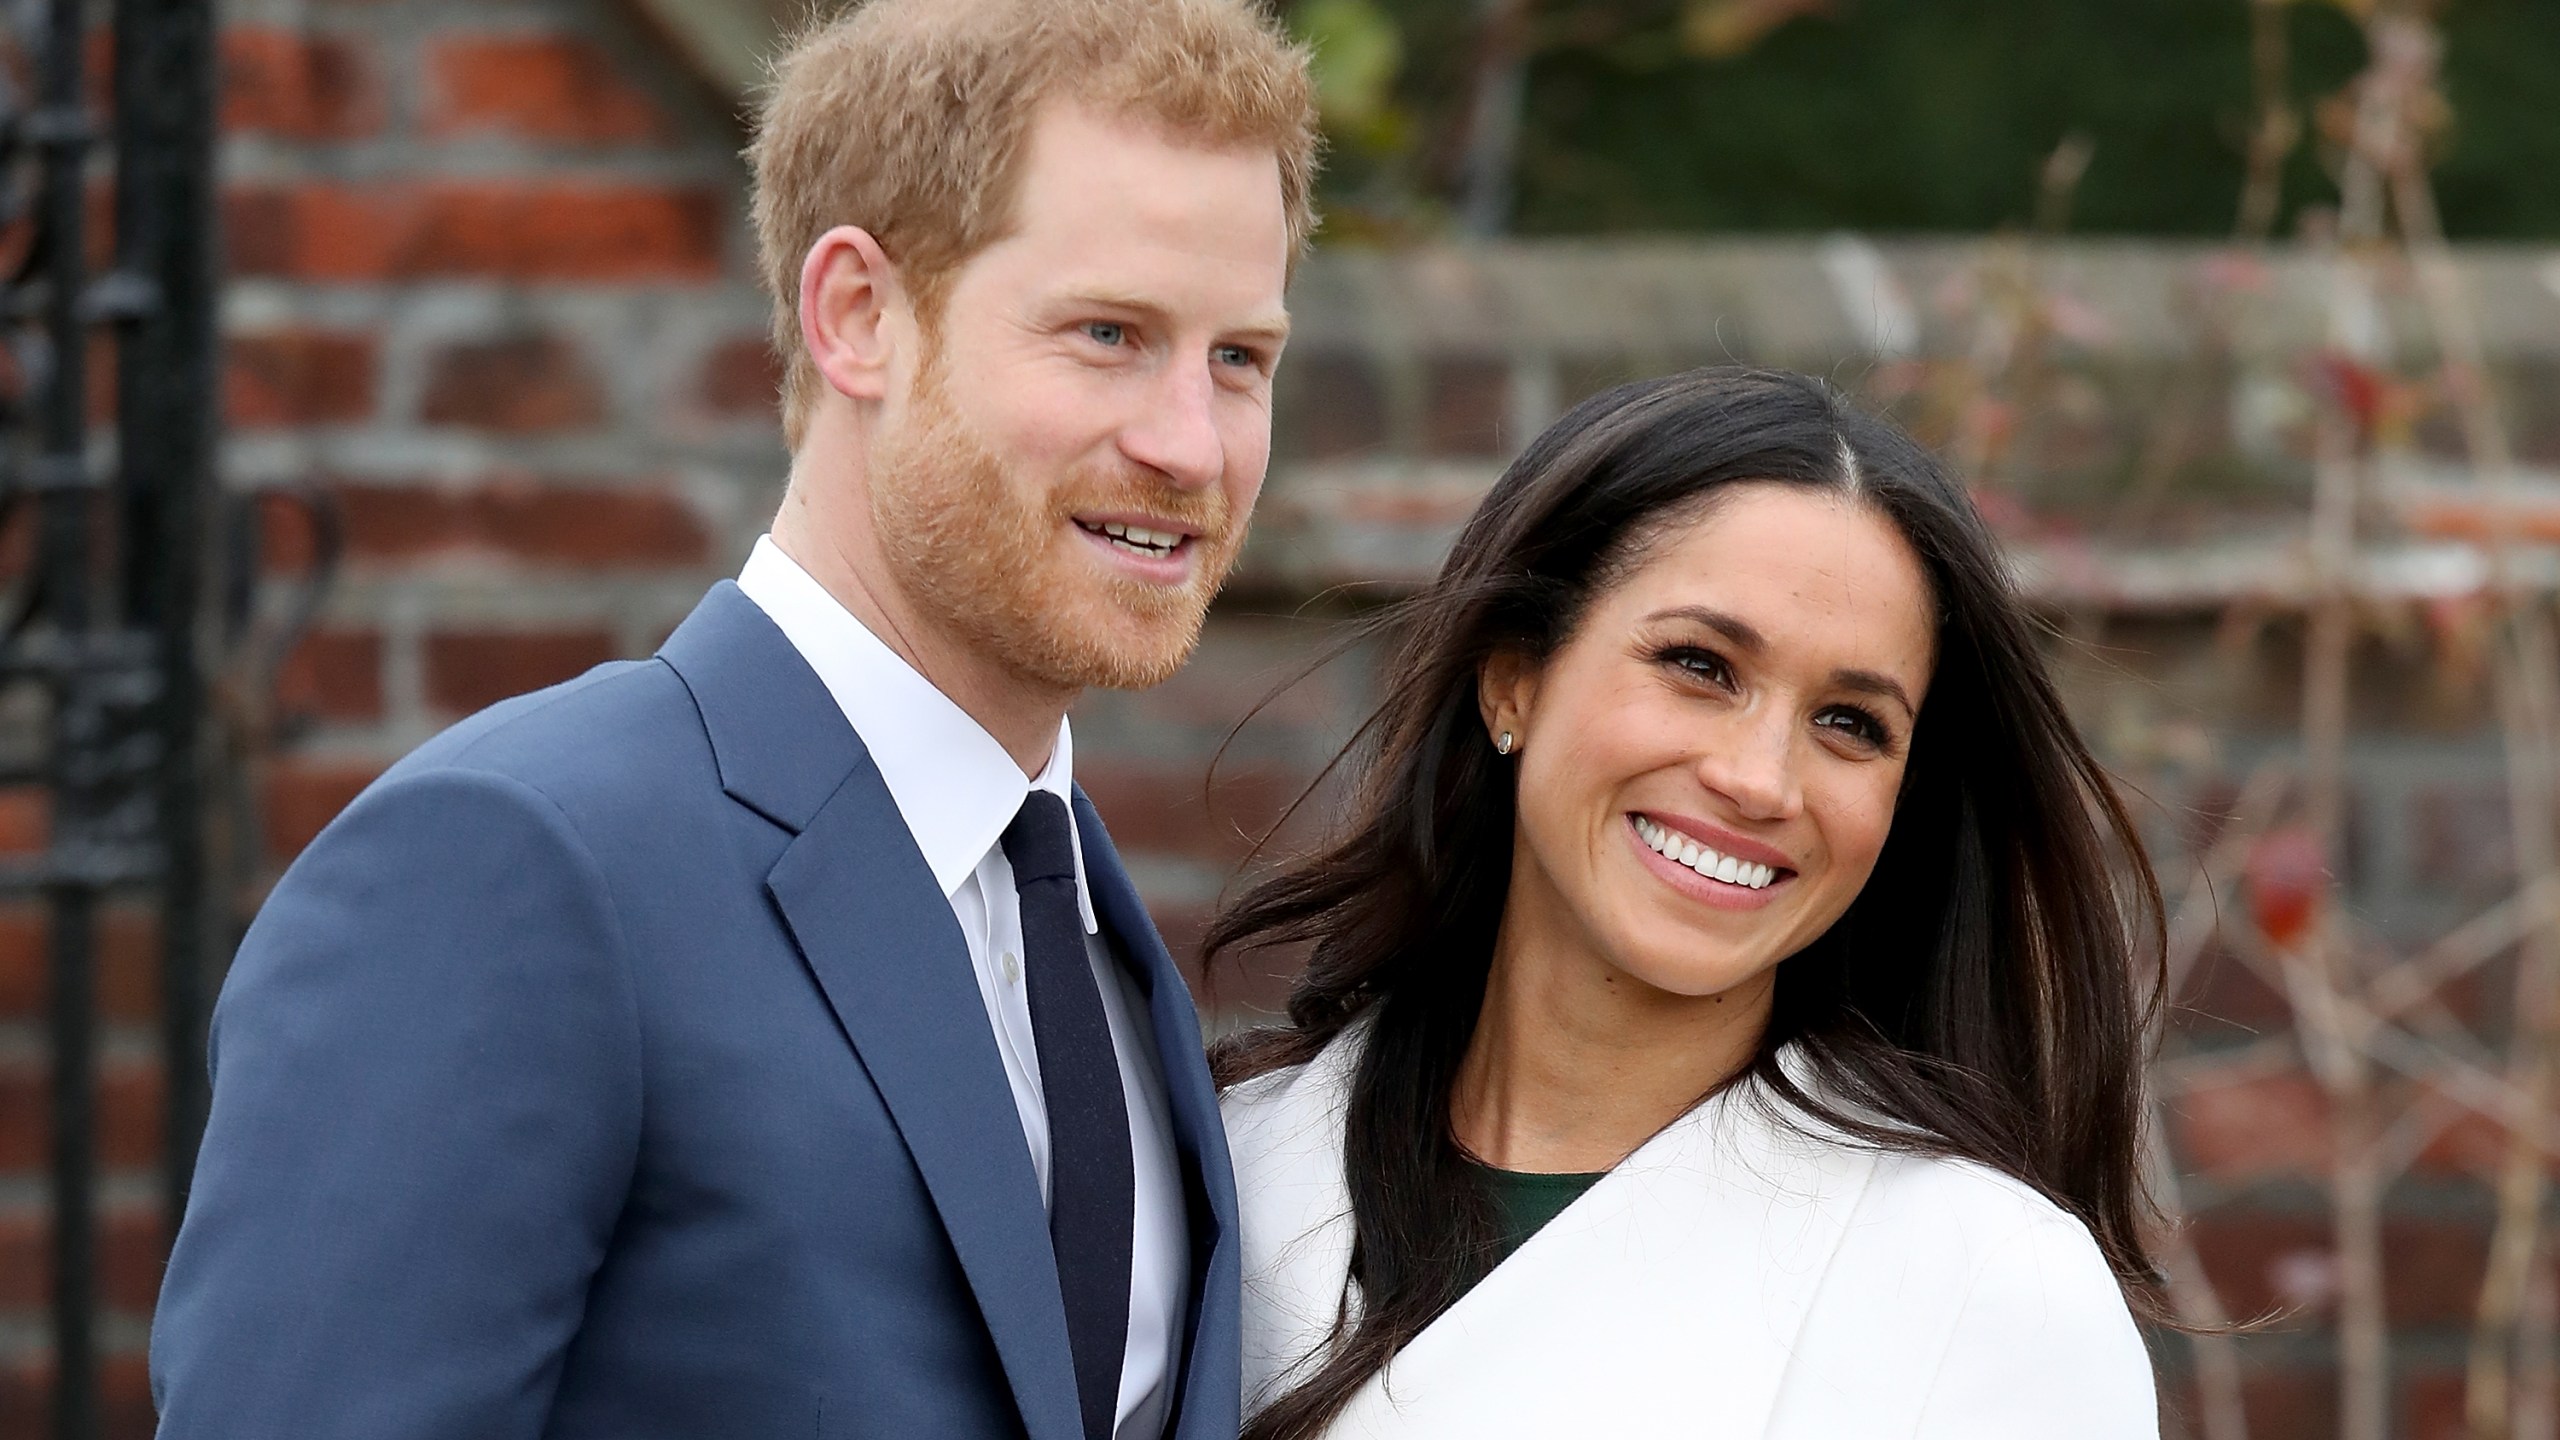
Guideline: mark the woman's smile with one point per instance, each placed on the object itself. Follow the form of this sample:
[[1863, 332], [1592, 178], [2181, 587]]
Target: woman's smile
[[1722, 878]]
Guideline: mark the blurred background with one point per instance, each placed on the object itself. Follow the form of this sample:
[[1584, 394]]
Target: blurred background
[[2241, 316]]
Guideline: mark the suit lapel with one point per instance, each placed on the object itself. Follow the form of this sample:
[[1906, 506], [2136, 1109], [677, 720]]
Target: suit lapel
[[1208, 1380], [879, 937]]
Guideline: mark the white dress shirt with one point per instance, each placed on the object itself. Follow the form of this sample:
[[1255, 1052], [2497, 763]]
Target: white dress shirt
[[957, 790]]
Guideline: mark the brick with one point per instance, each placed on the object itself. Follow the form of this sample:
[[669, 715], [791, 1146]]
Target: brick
[[577, 524], [288, 540], [2264, 1262], [2434, 1269], [17, 530], [124, 1384], [2222, 992], [302, 797], [538, 87], [128, 978], [23, 964], [24, 1384], [590, 527], [1240, 989], [298, 86], [510, 229], [99, 380], [333, 675], [520, 385], [297, 377], [129, 1118], [740, 378], [128, 963], [2431, 1406], [1467, 408], [472, 670], [2290, 1404], [401, 522], [1162, 807], [1327, 404], [26, 825], [25, 1265], [2246, 1129], [2473, 1143], [132, 1251]]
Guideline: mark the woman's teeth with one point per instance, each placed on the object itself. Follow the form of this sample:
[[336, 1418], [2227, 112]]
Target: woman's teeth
[[1674, 846], [1155, 544]]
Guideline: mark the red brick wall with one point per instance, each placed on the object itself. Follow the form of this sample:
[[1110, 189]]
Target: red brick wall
[[490, 295]]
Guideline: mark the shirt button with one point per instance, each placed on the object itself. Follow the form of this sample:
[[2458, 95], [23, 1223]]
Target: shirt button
[[1012, 969]]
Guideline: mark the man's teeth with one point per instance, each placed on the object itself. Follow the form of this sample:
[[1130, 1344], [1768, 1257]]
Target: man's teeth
[[1140, 539], [1673, 846]]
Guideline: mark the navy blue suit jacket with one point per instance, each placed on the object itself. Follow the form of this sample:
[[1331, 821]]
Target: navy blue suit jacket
[[614, 1067]]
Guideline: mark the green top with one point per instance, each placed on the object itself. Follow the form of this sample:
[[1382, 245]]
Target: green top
[[1526, 1201]]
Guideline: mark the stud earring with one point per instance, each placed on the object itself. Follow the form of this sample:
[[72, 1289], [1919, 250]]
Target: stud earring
[[1503, 745]]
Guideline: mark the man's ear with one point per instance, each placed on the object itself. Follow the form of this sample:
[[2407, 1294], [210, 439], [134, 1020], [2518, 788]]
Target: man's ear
[[850, 296], [1507, 693]]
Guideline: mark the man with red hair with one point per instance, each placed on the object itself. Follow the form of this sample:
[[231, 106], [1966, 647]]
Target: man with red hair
[[764, 1039]]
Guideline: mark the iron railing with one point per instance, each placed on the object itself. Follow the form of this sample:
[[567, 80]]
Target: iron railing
[[103, 668]]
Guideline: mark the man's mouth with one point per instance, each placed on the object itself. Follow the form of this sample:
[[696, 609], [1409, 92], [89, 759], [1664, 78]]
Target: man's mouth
[[1136, 539]]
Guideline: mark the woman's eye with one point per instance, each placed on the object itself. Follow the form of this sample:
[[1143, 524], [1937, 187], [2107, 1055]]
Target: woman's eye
[[1105, 332], [1705, 665], [1856, 723]]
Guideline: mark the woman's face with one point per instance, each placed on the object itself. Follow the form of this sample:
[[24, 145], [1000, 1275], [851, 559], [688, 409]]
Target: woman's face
[[1708, 766]]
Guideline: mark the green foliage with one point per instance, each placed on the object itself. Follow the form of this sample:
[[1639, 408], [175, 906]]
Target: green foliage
[[1910, 115]]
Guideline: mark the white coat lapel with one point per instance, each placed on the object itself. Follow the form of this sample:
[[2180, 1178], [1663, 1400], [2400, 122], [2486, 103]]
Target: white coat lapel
[[1664, 1302], [1285, 1132]]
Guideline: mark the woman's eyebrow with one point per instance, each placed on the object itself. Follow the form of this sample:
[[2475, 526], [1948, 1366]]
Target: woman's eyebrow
[[1730, 626], [1751, 642], [1868, 682]]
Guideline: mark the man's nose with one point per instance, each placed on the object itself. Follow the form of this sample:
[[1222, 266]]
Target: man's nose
[[1176, 430]]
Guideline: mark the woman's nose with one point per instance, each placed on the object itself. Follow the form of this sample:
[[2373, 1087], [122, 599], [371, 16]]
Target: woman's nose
[[1753, 767]]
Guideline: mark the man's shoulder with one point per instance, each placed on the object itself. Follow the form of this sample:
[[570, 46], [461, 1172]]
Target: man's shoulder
[[625, 736], [615, 705]]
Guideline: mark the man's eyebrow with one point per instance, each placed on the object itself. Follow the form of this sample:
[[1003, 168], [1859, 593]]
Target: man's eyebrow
[[1751, 642], [1272, 326]]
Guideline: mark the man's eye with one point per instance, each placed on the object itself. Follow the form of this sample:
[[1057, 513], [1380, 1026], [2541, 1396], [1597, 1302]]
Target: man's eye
[[1106, 332], [1237, 356]]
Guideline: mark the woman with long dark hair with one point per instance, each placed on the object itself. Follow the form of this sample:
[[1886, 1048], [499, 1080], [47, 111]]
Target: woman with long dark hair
[[1726, 993]]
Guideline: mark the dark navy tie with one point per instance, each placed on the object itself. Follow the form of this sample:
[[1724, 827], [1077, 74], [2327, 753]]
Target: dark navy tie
[[1092, 1191]]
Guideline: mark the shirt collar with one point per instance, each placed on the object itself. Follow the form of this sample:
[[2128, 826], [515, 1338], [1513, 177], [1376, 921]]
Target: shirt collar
[[954, 785]]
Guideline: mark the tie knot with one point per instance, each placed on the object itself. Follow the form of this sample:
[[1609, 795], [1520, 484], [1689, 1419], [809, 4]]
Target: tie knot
[[1039, 844]]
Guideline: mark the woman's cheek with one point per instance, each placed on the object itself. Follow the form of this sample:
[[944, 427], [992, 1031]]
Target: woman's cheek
[[1865, 818]]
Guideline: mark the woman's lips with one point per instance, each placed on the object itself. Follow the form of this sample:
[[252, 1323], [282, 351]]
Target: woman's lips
[[1721, 840], [1650, 837]]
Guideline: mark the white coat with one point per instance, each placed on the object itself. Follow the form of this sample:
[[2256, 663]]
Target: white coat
[[1733, 1277]]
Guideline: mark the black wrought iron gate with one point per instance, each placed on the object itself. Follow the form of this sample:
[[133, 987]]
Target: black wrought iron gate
[[103, 668]]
